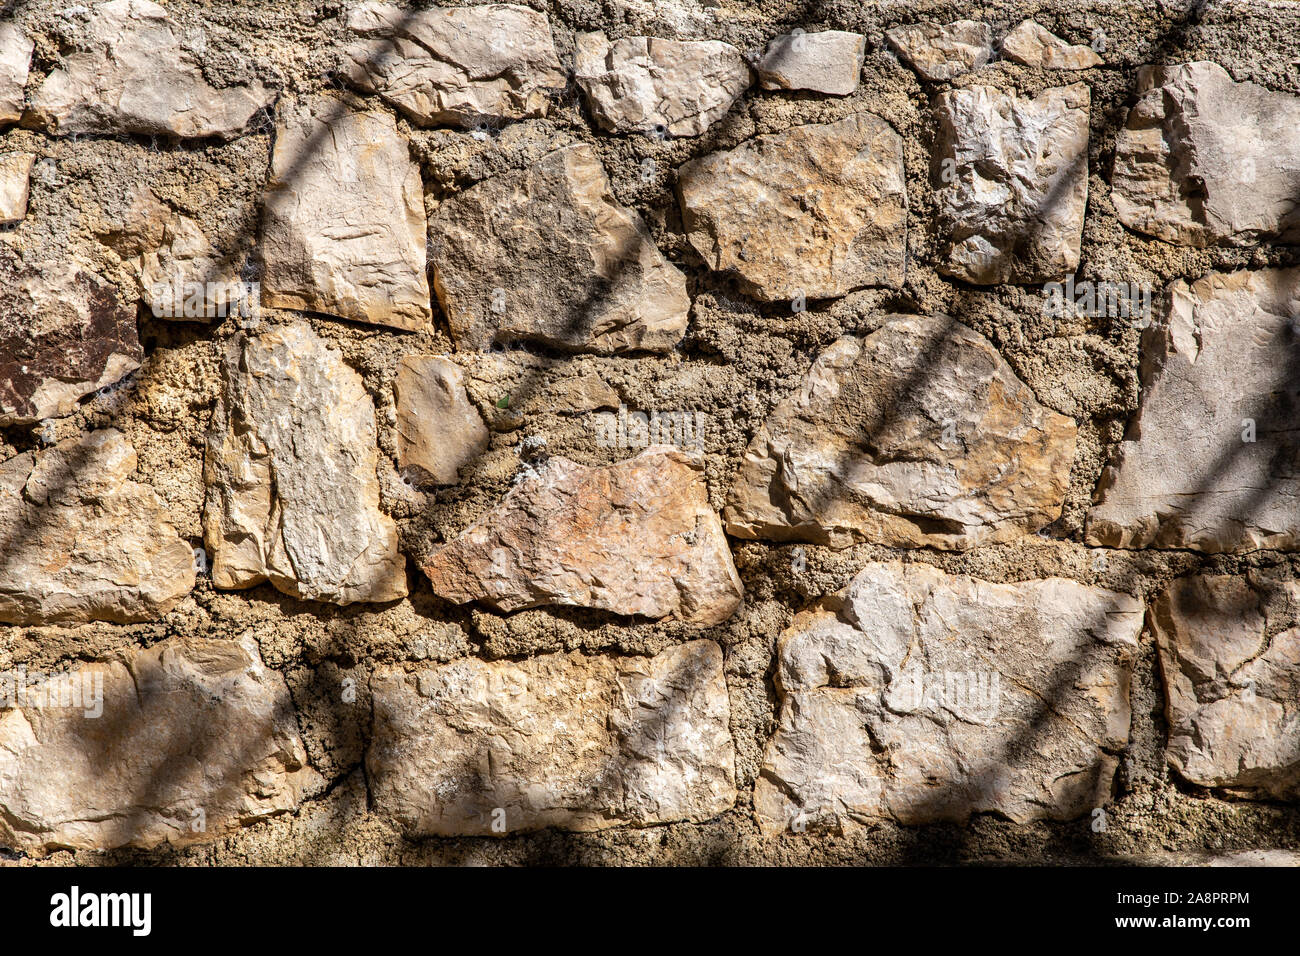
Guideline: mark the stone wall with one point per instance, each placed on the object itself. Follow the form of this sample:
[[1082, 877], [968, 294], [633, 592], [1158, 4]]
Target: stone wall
[[644, 431]]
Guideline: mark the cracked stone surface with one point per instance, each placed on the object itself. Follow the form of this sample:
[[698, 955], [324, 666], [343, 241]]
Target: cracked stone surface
[[636, 537], [15, 179], [1230, 655], [940, 53], [819, 210], [81, 541], [1032, 44], [131, 73], [829, 61], [344, 226], [15, 59], [195, 738], [453, 66], [1012, 179], [63, 334], [1205, 160], [558, 740], [293, 496], [547, 255], [186, 279], [919, 696], [664, 87], [439, 431], [1210, 461], [917, 435]]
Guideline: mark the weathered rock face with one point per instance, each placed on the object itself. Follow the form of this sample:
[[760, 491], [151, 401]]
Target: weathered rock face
[[439, 431], [193, 739], [636, 537], [292, 493], [826, 62], [547, 255], [185, 278], [665, 87], [454, 65], [1211, 460], [344, 227], [63, 334], [918, 435], [15, 58], [818, 210], [1230, 656], [1012, 175], [80, 541], [15, 176], [560, 740], [940, 53], [1205, 160], [131, 73], [920, 696], [1032, 44]]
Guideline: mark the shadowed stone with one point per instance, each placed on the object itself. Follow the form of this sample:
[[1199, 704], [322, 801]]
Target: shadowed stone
[[918, 435], [439, 431], [940, 53], [194, 739], [559, 740], [826, 62], [919, 696]]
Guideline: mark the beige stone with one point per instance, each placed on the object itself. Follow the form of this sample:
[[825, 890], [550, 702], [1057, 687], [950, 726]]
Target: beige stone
[[63, 334], [661, 87], [559, 740], [439, 65], [344, 226], [636, 537], [1205, 160], [547, 255], [439, 431], [15, 178], [918, 435], [81, 541], [1230, 658], [1032, 44], [185, 278], [829, 62], [1210, 460], [194, 739], [293, 496], [15, 59], [816, 210], [1013, 183], [940, 53], [131, 73], [919, 696]]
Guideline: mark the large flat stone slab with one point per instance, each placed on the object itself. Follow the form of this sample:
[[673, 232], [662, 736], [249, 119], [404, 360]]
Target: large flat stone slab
[[15, 59]]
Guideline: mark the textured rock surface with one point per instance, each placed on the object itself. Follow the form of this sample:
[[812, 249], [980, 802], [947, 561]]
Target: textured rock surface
[[196, 738], [1224, 367], [820, 209], [918, 435], [292, 493], [636, 538], [15, 58], [1230, 656], [344, 227], [561, 740], [922, 696], [1013, 182], [186, 278], [665, 87], [80, 541], [63, 334], [455, 65], [439, 431], [943, 52], [1204, 160], [1032, 44], [131, 73], [826, 62], [547, 255], [15, 174]]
